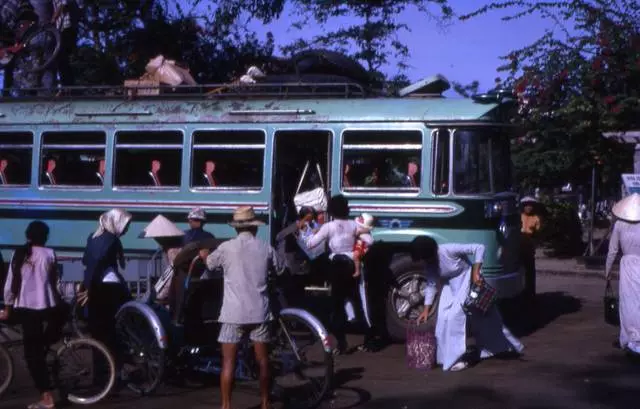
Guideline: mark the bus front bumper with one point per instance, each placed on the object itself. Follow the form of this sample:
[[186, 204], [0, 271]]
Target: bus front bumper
[[509, 285]]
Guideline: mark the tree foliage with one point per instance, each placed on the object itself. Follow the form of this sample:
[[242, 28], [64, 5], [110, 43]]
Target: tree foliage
[[466, 90], [579, 79], [118, 38], [368, 29]]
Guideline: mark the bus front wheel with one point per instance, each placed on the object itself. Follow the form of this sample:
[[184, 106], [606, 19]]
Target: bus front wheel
[[405, 299]]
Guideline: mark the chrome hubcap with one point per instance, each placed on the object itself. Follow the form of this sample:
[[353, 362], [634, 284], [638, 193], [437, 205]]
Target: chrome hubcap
[[408, 298]]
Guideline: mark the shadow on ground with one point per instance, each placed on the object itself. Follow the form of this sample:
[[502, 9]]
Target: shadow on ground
[[525, 319], [343, 396]]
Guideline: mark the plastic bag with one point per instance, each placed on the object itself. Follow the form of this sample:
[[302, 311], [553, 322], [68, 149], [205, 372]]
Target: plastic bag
[[421, 348], [315, 198]]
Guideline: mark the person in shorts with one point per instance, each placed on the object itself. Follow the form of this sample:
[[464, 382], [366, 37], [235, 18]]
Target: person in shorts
[[246, 262]]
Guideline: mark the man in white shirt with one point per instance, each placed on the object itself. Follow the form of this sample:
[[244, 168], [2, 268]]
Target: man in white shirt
[[246, 262]]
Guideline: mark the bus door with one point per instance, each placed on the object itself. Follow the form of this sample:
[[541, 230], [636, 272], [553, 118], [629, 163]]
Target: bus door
[[295, 150]]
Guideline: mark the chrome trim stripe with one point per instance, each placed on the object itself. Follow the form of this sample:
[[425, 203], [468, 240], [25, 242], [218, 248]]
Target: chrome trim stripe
[[273, 112], [228, 146], [377, 208], [388, 147], [89, 114], [425, 209], [149, 146], [131, 204], [16, 146], [72, 146]]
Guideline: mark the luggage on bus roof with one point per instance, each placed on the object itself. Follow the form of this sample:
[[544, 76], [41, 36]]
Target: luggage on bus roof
[[316, 66]]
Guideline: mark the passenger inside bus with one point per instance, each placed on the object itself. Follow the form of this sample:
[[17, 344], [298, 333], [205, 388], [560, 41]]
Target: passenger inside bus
[[153, 173], [373, 178], [101, 170], [381, 170], [412, 174], [49, 174], [3, 167], [209, 170], [345, 176]]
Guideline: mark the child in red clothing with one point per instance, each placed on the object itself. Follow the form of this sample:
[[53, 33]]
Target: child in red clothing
[[365, 225]]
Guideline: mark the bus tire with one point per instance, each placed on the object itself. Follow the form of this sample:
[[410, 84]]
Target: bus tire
[[405, 272]]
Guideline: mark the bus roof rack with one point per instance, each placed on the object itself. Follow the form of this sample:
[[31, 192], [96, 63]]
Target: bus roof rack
[[495, 95], [143, 90], [432, 87]]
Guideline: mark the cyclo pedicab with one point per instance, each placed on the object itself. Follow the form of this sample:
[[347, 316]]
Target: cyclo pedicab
[[180, 343]]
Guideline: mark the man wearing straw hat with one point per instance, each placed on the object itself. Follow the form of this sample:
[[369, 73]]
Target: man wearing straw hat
[[246, 262], [625, 239]]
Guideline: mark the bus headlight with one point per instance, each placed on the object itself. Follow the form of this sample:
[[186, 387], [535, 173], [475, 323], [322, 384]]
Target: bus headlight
[[493, 209], [502, 228], [496, 208]]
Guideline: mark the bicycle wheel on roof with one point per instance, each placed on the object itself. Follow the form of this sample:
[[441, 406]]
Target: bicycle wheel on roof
[[41, 48]]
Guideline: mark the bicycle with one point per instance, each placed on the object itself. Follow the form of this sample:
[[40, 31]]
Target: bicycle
[[301, 348], [67, 380], [41, 43]]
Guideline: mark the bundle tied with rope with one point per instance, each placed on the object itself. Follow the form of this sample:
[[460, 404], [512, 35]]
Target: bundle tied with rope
[[159, 71]]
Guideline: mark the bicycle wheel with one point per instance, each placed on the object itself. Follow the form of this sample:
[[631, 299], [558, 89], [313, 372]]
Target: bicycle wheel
[[302, 367], [84, 371], [143, 358], [6, 369], [41, 48]]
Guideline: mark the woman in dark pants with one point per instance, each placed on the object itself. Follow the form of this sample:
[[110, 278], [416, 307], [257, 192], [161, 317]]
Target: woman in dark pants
[[107, 289], [31, 296], [340, 234]]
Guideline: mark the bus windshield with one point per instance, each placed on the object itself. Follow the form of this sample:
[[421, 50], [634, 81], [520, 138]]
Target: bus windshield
[[481, 161]]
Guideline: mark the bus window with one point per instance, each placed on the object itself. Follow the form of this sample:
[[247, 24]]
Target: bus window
[[227, 159], [501, 162], [71, 158], [150, 159], [15, 158], [471, 162], [388, 160], [441, 150]]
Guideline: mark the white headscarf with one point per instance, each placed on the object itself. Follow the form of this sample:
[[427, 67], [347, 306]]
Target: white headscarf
[[114, 221]]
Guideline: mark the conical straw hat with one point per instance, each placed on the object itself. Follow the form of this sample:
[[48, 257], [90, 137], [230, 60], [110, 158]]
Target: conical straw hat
[[161, 227], [628, 209]]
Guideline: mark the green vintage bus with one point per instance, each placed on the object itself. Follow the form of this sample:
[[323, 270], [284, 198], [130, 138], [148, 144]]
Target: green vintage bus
[[419, 163]]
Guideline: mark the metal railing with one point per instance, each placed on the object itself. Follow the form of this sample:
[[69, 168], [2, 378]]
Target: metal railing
[[290, 90]]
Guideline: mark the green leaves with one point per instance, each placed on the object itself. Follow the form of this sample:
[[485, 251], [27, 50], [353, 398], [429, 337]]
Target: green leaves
[[207, 36], [573, 83]]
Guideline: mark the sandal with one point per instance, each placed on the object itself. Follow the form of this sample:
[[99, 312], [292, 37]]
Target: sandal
[[460, 366], [367, 347]]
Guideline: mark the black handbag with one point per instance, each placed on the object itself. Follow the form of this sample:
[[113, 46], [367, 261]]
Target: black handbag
[[611, 306], [481, 297]]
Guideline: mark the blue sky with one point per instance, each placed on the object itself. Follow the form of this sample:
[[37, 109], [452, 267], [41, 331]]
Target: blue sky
[[464, 51]]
